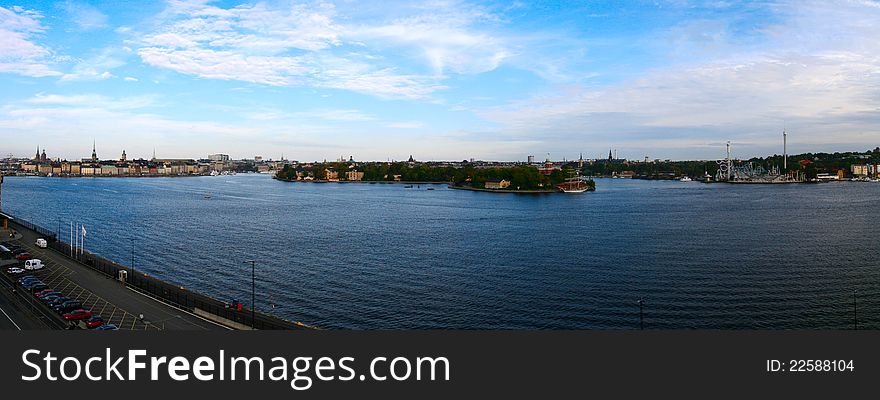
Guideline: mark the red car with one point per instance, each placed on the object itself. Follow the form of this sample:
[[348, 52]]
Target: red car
[[24, 256], [77, 315], [94, 322]]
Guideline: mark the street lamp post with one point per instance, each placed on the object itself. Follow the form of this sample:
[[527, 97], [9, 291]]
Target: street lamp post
[[855, 316], [131, 266], [641, 316], [253, 290]]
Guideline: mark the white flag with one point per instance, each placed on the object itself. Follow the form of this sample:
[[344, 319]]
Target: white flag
[[84, 230]]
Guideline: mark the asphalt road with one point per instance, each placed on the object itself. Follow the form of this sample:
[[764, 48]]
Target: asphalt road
[[107, 297]]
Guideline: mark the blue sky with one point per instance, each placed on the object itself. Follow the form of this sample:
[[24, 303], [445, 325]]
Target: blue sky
[[438, 79]]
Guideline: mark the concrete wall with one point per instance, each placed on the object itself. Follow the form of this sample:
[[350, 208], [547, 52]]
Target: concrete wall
[[220, 320]]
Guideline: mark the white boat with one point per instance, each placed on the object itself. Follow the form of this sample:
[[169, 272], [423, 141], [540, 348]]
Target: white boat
[[686, 179]]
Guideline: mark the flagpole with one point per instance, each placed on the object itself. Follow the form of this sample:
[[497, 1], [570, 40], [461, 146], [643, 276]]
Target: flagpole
[[70, 242]]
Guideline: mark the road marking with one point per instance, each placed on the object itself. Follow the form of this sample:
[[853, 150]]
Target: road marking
[[10, 319]]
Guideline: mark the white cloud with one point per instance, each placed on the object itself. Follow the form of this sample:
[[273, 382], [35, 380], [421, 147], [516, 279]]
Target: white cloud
[[19, 54], [304, 45], [341, 115], [97, 67], [84, 15], [93, 101], [130, 79], [406, 125]]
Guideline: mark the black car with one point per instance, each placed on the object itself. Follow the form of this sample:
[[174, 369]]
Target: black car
[[38, 288], [58, 301], [30, 284], [68, 306], [26, 278]]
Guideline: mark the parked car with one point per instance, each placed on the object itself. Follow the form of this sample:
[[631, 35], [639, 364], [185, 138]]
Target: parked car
[[30, 284], [67, 306], [47, 292], [50, 298], [33, 264], [107, 327], [41, 243], [43, 292], [38, 288], [77, 315], [57, 300], [14, 270], [24, 256], [94, 321]]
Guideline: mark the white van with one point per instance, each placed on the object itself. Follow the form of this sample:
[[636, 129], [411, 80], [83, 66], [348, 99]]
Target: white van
[[41, 243], [33, 264]]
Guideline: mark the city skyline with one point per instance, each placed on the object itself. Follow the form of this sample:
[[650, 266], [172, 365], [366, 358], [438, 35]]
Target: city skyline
[[443, 80]]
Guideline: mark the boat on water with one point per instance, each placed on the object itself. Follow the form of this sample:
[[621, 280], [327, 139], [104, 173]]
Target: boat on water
[[574, 184], [408, 187], [686, 179], [207, 196]]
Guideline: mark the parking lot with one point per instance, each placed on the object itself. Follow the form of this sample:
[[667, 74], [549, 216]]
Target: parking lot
[[103, 296]]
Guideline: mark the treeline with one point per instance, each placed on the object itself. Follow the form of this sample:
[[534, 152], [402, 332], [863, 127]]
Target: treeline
[[523, 177], [660, 168], [821, 162]]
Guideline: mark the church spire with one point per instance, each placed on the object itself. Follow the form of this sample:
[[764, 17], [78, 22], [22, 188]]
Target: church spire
[[94, 152]]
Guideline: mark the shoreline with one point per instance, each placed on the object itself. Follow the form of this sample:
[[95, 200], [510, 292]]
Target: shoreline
[[368, 182], [503, 190]]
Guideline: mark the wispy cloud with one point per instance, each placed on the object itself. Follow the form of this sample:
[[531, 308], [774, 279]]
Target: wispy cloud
[[304, 45], [85, 16], [19, 53]]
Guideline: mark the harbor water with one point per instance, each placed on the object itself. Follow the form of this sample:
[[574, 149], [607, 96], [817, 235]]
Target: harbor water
[[381, 256]]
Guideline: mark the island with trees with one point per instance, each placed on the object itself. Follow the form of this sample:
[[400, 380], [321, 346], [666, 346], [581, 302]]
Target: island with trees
[[468, 176]]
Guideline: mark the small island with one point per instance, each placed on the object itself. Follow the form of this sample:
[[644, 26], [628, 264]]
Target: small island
[[495, 179]]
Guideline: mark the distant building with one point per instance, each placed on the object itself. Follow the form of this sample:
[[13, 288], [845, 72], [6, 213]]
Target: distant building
[[861, 170], [258, 158], [547, 168], [502, 184], [531, 159], [354, 175], [331, 175], [219, 157]]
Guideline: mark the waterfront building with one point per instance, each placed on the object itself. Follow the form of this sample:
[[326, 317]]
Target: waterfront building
[[547, 168], [219, 157], [502, 184], [354, 175], [860, 170]]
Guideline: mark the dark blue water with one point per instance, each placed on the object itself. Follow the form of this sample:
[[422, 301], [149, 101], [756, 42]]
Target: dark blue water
[[383, 256]]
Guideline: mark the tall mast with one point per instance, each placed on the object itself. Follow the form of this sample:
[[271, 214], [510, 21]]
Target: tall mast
[[784, 150], [729, 164]]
